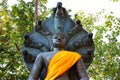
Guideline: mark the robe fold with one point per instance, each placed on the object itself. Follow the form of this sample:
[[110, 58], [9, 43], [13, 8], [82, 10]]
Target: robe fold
[[60, 63]]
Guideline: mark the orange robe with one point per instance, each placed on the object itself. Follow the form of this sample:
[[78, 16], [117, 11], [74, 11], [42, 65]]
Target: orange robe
[[60, 63]]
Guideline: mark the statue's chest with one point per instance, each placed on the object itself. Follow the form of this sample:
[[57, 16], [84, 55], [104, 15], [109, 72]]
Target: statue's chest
[[48, 59]]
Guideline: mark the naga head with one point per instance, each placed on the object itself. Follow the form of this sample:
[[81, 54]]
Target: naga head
[[59, 10], [59, 5]]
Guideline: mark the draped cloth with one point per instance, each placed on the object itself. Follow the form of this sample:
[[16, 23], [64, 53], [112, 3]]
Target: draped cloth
[[60, 63]]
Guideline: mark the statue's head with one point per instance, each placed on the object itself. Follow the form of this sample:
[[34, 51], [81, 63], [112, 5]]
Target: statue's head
[[59, 40]]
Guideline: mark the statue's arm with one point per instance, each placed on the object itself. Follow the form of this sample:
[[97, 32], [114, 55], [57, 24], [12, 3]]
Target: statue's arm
[[36, 68], [82, 70]]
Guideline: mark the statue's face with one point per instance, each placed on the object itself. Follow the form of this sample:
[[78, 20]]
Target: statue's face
[[59, 40]]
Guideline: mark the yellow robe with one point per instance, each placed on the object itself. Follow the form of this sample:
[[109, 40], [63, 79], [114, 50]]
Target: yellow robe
[[60, 63]]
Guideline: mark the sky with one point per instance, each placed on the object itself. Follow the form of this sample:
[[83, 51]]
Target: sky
[[88, 6]]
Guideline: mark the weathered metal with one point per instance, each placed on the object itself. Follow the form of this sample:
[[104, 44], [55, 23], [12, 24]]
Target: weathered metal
[[40, 38]]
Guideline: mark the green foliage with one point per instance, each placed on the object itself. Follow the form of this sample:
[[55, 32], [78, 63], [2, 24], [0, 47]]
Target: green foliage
[[86, 20], [105, 64], [114, 0], [14, 23]]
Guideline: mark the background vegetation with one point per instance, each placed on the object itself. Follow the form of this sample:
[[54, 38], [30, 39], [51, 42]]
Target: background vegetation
[[17, 20]]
